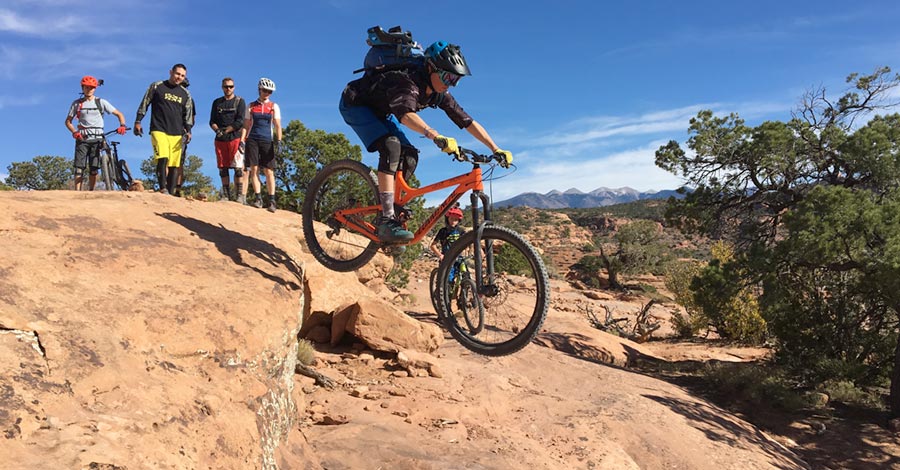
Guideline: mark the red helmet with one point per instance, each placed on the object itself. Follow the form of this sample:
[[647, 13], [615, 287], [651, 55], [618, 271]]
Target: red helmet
[[88, 80], [455, 212]]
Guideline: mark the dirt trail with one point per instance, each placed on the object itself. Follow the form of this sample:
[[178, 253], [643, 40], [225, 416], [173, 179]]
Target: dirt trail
[[539, 408]]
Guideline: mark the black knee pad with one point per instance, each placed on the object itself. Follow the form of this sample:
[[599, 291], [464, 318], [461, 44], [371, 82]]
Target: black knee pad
[[223, 172], [389, 151], [95, 171], [409, 160], [238, 173]]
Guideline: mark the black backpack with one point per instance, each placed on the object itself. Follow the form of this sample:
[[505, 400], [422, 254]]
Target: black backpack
[[391, 50]]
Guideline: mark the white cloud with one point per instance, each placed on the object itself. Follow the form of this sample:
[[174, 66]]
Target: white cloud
[[13, 22], [613, 151], [594, 129], [42, 64], [7, 101]]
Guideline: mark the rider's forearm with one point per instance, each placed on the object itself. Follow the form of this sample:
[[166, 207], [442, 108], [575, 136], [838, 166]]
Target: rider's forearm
[[417, 124], [482, 135], [121, 117]]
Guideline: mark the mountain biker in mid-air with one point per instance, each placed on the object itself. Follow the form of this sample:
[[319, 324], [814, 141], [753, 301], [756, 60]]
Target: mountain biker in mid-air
[[373, 105], [89, 134]]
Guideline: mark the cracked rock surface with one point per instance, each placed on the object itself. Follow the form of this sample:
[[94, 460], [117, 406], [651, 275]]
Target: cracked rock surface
[[144, 331]]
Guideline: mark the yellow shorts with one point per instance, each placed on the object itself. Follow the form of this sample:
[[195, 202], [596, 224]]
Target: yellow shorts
[[166, 146]]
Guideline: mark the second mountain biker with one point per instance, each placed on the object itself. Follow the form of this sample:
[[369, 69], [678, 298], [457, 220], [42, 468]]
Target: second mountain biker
[[373, 105], [89, 134]]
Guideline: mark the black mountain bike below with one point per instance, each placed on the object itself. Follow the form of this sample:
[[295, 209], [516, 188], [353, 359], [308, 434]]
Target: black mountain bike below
[[113, 172]]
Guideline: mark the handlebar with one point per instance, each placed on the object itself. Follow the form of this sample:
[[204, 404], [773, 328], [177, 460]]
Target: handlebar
[[467, 155], [116, 130]]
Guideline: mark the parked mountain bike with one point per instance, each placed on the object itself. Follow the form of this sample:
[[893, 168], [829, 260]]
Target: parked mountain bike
[[113, 171], [343, 198], [463, 294]]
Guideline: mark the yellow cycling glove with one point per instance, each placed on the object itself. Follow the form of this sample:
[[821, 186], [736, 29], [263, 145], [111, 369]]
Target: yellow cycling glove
[[447, 144], [504, 157]]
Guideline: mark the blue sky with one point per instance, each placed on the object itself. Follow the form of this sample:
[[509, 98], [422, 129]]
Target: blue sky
[[582, 92]]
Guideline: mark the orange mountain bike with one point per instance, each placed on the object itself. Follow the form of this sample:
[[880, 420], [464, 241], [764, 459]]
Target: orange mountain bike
[[339, 214]]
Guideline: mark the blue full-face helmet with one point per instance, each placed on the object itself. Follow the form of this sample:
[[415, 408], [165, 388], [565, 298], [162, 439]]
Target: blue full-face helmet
[[446, 57]]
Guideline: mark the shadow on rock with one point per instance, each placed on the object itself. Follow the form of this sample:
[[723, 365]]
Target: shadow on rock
[[231, 243], [718, 426]]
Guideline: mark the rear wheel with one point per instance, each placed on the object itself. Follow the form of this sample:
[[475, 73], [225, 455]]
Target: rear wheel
[[123, 175], [433, 290], [509, 322], [344, 184]]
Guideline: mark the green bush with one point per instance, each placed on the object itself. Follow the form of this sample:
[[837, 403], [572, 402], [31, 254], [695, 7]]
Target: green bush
[[730, 307], [306, 353], [847, 392], [754, 385], [511, 260], [679, 276]]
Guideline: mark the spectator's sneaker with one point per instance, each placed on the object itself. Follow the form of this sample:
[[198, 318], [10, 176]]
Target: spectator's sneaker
[[391, 231], [225, 195], [242, 200], [271, 207], [177, 192], [164, 192], [258, 202]]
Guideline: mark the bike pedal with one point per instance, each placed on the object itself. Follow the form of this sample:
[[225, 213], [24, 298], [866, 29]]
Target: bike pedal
[[394, 250]]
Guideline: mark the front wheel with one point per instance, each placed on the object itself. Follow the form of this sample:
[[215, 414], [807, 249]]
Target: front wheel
[[344, 184], [107, 171], [512, 286], [469, 304]]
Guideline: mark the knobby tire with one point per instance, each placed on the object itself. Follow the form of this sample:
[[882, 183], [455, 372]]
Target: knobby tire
[[342, 184], [509, 322]]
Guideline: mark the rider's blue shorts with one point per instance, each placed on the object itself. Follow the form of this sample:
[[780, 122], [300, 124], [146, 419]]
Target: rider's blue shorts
[[370, 127]]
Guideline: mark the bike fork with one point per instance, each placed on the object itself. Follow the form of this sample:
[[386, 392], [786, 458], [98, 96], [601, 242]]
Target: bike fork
[[479, 230]]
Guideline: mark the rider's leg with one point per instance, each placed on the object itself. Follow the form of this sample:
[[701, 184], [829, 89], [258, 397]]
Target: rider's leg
[[80, 163], [388, 162], [161, 173], [239, 185], [383, 136], [92, 179], [93, 163], [172, 179], [389, 229], [409, 160], [226, 183], [79, 178]]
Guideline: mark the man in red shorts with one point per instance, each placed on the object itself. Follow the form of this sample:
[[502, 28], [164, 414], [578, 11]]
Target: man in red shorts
[[226, 119]]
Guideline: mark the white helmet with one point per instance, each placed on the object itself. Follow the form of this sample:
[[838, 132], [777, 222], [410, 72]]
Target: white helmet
[[266, 84]]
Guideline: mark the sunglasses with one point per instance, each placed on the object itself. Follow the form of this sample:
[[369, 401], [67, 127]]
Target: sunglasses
[[227, 86], [449, 79], [265, 91]]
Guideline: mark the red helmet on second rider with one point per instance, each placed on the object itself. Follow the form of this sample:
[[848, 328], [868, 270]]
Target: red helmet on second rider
[[455, 212], [88, 80]]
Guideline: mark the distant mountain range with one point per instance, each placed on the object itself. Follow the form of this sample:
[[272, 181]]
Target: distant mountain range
[[576, 199]]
